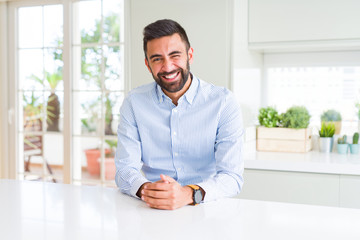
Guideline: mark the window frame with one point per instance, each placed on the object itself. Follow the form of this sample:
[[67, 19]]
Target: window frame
[[12, 160]]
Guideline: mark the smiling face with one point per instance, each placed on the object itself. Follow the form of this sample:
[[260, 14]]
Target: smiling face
[[169, 63]]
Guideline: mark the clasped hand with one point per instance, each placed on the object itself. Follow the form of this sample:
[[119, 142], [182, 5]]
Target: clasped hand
[[166, 194]]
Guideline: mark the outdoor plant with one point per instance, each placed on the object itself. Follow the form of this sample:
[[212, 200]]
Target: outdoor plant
[[356, 138], [295, 117], [331, 116], [112, 145], [357, 105], [327, 129], [268, 117], [342, 140]]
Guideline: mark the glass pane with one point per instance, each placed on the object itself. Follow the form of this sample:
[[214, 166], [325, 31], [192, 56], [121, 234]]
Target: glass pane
[[87, 156], [33, 103], [90, 65], [111, 14], [87, 112], [31, 69], [339, 89], [54, 156], [53, 26], [30, 27], [112, 102], [53, 69], [87, 19], [114, 72], [109, 163], [54, 110]]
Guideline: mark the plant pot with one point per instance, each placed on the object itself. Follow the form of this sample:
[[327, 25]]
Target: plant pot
[[342, 148], [326, 144], [93, 160], [354, 148], [110, 169], [93, 166]]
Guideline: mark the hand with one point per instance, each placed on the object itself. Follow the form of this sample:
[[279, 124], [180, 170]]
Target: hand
[[166, 194]]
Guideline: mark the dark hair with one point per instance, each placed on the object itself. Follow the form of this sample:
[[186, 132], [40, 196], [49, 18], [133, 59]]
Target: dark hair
[[162, 28]]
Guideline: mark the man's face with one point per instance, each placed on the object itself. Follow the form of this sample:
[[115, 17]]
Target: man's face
[[169, 62]]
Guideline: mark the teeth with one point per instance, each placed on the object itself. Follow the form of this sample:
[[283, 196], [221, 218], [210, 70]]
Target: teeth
[[170, 76]]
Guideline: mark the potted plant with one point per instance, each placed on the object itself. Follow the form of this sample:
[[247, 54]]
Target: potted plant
[[287, 132], [354, 147], [268, 117], [110, 168], [332, 116], [342, 146], [326, 136]]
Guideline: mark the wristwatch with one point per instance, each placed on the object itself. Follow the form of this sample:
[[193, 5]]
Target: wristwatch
[[197, 194]]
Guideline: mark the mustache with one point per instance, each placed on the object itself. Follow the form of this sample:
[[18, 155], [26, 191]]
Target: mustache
[[160, 74]]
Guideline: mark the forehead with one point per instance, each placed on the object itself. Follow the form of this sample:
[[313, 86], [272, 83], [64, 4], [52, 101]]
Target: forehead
[[165, 45]]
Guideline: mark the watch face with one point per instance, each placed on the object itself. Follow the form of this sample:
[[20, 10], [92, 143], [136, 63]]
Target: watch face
[[198, 196]]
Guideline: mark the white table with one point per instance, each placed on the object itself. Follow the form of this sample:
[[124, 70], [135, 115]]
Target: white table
[[36, 210]]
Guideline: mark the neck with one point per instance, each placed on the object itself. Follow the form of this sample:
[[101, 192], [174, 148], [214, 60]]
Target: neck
[[174, 96]]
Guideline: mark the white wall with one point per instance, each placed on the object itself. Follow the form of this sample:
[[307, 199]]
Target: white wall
[[207, 23], [247, 66]]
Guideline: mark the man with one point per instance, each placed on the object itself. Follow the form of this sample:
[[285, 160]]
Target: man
[[179, 137]]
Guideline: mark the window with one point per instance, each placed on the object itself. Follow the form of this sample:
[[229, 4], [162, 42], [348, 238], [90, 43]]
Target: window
[[68, 90], [299, 79]]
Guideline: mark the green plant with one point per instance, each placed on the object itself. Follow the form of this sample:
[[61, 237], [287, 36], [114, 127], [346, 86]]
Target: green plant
[[112, 145], [331, 116], [356, 138], [295, 117], [342, 140], [357, 105], [268, 117], [327, 129]]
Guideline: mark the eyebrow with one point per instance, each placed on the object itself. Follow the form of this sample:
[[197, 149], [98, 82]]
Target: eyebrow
[[158, 55]]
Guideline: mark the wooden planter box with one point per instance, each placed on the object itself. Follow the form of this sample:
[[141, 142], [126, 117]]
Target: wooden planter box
[[283, 140]]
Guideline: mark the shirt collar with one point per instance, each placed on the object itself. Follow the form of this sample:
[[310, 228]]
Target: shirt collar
[[189, 94]]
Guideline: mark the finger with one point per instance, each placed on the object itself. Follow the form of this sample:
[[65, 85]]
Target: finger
[[155, 193], [157, 202], [159, 186], [166, 178]]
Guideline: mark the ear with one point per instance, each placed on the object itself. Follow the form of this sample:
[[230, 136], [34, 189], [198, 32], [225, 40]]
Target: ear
[[190, 55], [147, 65]]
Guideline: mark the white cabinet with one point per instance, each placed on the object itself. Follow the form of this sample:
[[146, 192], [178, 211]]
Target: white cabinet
[[300, 187], [292, 187], [304, 23]]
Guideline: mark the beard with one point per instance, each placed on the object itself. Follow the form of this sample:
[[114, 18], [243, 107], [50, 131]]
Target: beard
[[176, 85]]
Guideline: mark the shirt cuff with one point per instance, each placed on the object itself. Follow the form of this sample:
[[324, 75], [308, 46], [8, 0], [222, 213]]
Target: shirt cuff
[[210, 191], [136, 185]]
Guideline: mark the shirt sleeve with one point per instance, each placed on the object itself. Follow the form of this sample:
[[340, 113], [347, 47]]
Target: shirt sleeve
[[128, 154], [228, 179]]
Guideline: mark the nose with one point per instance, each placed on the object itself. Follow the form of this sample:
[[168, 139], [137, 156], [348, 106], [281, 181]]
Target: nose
[[167, 65]]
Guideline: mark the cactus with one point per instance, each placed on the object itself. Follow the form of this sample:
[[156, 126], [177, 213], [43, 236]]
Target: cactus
[[342, 140], [356, 138]]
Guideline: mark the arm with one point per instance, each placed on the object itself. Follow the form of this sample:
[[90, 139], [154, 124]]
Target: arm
[[228, 180], [128, 154]]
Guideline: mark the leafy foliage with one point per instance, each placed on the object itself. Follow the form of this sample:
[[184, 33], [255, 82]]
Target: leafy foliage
[[357, 105], [268, 117], [295, 117], [331, 116], [327, 129], [356, 138]]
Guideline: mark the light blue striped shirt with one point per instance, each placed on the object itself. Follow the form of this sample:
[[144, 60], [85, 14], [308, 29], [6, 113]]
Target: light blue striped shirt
[[199, 141]]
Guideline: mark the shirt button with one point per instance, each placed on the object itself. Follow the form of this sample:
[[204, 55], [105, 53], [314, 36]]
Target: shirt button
[[174, 133], [175, 110], [176, 154], [179, 169]]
